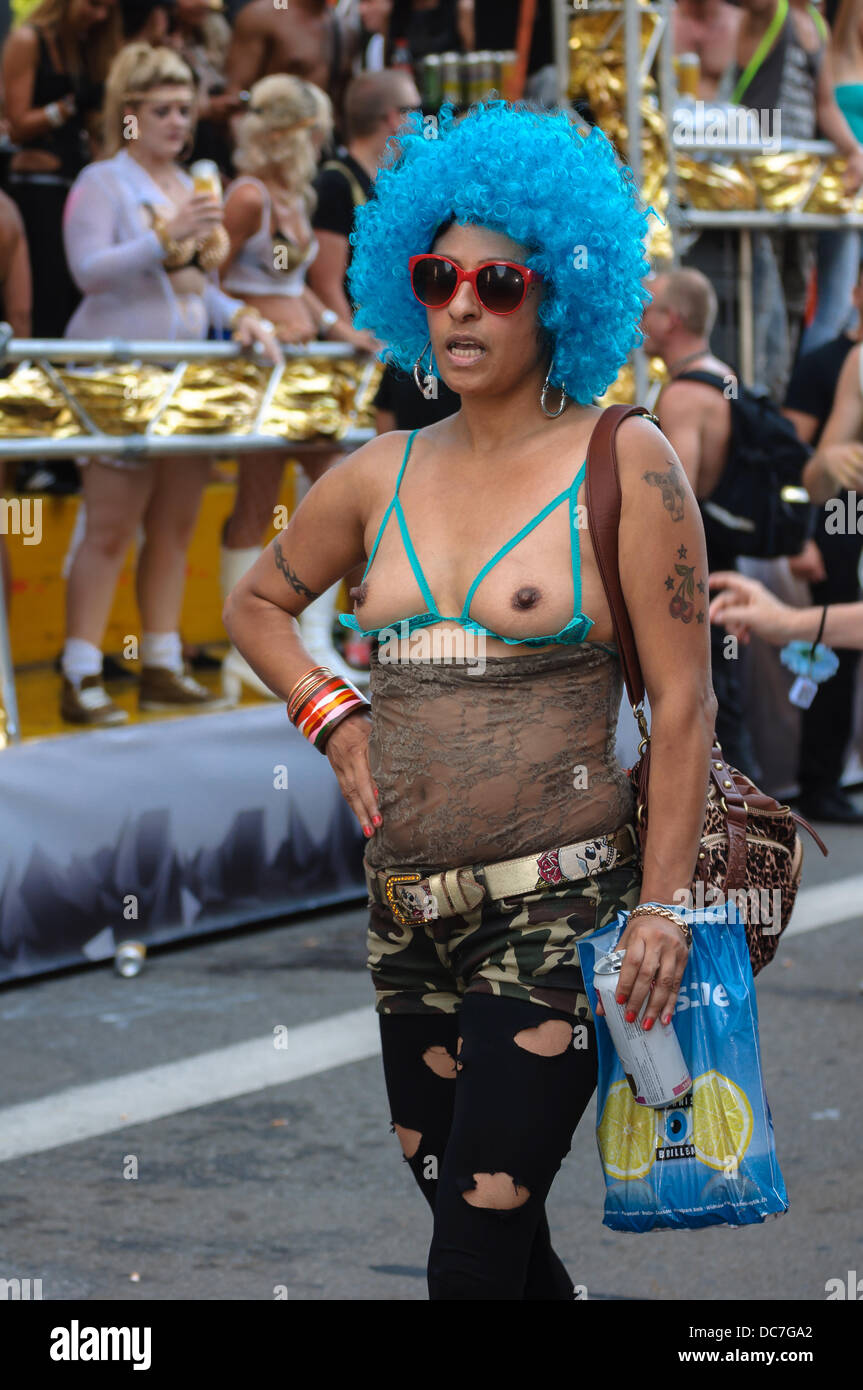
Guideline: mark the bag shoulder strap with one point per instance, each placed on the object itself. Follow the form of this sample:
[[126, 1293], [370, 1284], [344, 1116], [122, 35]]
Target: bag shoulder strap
[[704, 378], [603, 497], [337, 166]]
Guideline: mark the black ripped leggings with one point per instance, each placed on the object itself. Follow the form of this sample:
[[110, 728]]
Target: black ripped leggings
[[507, 1110]]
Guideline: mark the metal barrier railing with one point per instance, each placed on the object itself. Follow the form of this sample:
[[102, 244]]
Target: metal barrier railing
[[44, 352]]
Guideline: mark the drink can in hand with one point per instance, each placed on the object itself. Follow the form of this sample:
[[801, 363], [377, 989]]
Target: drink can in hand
[[652, 1062]]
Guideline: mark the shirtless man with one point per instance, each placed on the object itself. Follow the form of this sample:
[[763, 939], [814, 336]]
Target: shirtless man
[[708, 28], [696, 419], [306, 41]]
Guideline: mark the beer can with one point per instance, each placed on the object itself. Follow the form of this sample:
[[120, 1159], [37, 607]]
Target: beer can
[[450, 64], [432, 82], [485, 75], [129, 958], [508, 71], [652, 1062], [469, 66], [206, 177], [498, 65], [687, 66]]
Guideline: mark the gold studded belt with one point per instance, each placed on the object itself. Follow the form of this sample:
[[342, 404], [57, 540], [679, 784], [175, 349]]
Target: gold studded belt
[[415, 895]]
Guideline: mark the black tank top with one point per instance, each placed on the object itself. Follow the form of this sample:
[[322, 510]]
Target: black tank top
[[66, 142]]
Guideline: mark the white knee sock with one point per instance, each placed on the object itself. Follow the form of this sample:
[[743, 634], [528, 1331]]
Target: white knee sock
[[80, 659], [162, 649]]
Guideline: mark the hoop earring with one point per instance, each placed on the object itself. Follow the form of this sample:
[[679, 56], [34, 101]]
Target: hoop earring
[[421, 385], [552, 414]]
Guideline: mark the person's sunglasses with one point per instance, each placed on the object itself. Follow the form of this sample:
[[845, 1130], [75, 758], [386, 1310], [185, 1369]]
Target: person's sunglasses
[[500, 286]]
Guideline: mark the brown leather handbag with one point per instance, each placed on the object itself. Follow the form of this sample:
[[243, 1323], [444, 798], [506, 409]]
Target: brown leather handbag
[[749, 843]]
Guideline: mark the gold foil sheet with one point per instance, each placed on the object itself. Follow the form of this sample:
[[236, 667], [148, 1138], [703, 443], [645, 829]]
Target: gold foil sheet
[[598, 75], [315, 397], [783, 180], [622, 389], [725, 187], [772, 183]]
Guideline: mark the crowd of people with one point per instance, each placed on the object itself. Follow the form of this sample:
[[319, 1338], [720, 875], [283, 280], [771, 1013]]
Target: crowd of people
[[107, 103]]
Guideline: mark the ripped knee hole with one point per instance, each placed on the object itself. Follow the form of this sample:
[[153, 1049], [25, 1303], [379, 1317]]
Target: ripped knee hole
[[548, 1039], [440, 1061], [410, 1139], [496, 1191]]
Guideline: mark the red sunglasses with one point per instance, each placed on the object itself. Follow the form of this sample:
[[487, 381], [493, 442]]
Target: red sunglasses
[[500, 286]]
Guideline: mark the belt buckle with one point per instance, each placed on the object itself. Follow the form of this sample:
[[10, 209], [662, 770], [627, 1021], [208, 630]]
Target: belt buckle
[[400, 915]]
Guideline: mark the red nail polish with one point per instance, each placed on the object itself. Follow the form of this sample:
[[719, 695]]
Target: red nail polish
[[621, 998], [377, 820], [647, 1025], [377, 793], [367, 830], [667, 1019], [629, 1017]]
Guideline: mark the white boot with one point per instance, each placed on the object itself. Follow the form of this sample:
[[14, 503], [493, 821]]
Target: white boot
[[236, 671], [316, 631]]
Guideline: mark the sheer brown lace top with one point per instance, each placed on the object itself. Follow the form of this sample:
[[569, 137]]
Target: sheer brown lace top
[[474, 766]]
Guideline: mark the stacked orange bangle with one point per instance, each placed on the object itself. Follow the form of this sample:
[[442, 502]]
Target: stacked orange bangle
[[319, 701], [304, 686]]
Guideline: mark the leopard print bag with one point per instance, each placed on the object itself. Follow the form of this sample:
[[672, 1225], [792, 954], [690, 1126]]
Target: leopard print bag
[[750, 850]]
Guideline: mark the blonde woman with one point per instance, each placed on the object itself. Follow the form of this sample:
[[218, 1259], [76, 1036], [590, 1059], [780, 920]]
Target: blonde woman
[[267, 217], [142, 247]]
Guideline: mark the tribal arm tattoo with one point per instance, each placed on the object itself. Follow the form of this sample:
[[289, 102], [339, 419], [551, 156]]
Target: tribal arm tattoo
[[671, 486], [295, 582], [683, 599]]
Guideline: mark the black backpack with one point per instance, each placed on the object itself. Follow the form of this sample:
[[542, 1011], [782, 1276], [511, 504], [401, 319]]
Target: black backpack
[[759, 507]]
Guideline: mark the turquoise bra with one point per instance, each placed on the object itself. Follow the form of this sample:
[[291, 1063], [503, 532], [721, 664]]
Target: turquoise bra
[[576, 629]]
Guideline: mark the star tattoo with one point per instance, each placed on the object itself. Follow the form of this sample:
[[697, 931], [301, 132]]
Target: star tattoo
[[669, 583], [681, 554], [700, 586], [699, 617]]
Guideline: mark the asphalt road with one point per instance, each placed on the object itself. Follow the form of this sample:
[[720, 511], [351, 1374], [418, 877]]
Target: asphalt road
[[300, 1184]]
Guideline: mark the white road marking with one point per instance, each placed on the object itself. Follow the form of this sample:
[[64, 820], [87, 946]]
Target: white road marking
[[83, 1112], [821, 907]]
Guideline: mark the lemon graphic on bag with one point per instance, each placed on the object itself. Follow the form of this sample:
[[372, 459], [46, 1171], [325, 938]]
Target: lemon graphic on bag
[[626, 1134], [722, 1121]]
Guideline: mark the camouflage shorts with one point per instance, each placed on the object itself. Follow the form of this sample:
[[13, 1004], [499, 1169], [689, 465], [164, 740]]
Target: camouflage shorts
[[522, 947]]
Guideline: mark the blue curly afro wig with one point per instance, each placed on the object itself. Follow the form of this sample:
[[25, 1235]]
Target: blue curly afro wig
[[534, 177]]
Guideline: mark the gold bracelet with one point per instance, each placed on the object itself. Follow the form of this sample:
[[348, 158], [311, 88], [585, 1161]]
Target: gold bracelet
[[649, 910], [311, 677], [177, 253], [244, 311], [305, 690]]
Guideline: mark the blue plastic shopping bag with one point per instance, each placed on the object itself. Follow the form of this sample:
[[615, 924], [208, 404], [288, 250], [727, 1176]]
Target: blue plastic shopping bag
[[710, 1159]]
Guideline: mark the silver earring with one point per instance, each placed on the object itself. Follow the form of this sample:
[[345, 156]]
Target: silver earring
[[552, 414], [422, 385]]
